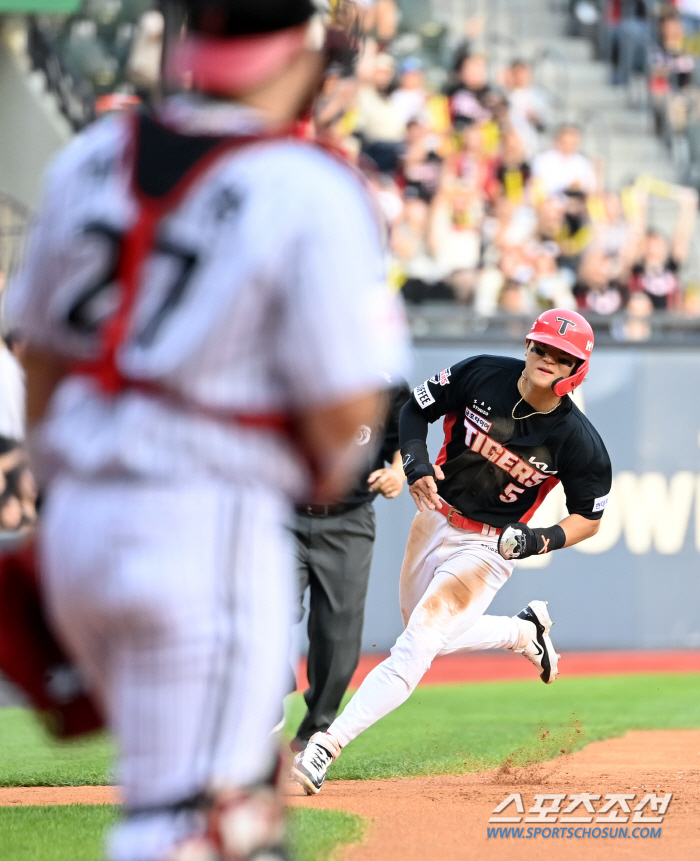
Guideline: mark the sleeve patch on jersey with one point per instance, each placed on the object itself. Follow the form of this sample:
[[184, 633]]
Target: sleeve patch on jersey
[[422, 395], [600, 503], [443, 378]]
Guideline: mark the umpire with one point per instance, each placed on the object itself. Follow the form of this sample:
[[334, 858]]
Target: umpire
[[334, 546]]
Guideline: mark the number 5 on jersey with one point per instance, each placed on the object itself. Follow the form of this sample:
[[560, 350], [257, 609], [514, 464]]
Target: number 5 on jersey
[[510, 492]]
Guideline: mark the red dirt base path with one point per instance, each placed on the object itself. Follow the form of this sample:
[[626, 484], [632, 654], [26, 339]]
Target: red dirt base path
[[503, 666], [446, 818]]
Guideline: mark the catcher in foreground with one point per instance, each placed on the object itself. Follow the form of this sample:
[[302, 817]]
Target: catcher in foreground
[[206, 329], [511, 435]]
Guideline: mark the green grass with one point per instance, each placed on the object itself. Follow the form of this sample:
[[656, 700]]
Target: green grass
[[314, 834], [439, 730], [28, 756], [450, 730], [76, 833]]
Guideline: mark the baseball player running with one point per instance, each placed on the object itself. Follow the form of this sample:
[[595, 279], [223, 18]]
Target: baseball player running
[[511, 434], [206, 320]]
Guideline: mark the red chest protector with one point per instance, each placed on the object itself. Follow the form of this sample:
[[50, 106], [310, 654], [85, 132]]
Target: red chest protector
[[163, 165]]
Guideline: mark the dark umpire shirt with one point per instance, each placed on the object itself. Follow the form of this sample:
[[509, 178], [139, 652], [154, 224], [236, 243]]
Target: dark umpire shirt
[[388, 433], [498, 470]]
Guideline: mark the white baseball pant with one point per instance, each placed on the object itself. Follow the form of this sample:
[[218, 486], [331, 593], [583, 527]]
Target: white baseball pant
[[176, 600], [448, 579]]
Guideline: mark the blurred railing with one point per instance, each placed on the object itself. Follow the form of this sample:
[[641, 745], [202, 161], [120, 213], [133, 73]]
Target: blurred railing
[[14, 218], [444, 322]]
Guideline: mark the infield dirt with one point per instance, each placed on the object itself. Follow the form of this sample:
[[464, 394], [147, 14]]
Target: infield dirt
[[446, 818]]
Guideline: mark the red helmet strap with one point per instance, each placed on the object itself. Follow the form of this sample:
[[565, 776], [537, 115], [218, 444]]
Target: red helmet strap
[[565, 385]]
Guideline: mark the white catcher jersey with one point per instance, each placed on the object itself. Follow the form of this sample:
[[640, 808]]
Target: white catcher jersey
[[264, 293]]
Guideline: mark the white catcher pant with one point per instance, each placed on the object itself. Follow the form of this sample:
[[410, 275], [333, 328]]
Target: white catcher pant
[[448, 579], [176, 601]]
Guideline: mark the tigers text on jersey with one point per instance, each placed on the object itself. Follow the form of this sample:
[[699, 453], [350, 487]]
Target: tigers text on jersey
[[275, 245], [498, 470]]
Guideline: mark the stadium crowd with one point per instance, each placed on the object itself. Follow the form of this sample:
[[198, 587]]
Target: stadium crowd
[[487, 201], [488, 205], [658, 43]]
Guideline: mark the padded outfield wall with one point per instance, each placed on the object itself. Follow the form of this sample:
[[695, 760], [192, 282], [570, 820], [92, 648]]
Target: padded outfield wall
[[637, 583]]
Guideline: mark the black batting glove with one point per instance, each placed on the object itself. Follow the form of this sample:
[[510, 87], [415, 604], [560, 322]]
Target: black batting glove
[[518, 540]]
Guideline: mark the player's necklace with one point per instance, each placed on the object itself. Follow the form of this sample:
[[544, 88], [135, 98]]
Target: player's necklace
[[530, 415]]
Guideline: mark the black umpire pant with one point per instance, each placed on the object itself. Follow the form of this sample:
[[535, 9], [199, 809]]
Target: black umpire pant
[[334, 555]]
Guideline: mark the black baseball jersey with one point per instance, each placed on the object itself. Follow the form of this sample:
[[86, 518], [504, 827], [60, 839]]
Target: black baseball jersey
[[497, 469]]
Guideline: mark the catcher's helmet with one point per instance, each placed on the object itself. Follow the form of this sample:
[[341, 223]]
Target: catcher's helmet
[[231, 18], [231, 46], [571, 333]]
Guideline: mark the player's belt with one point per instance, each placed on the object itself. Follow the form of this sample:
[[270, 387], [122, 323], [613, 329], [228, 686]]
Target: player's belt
[[328, 510], [456, 518]]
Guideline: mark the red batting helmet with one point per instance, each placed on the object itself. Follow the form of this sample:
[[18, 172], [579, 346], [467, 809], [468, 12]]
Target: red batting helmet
[[570, 332]]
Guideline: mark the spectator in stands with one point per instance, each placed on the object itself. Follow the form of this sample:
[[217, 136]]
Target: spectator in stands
[[511, 172], [598, 289], [410, 98], [333, 110], [472, 165], [550, 284], [472, 99], [637, 324], [17, 489], [11, 391], [671, 76], [532, 266], [576, 232], [515, 298], [388, 196], [655, 271], [611, 229], [409, 238], [508, 224], [89, 55], [563, 166], [564, 221], [421, 162], [634, 39], [455, 238], [144, 61], [530, 111], [382, 21], [380, 125], [409, 243]]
